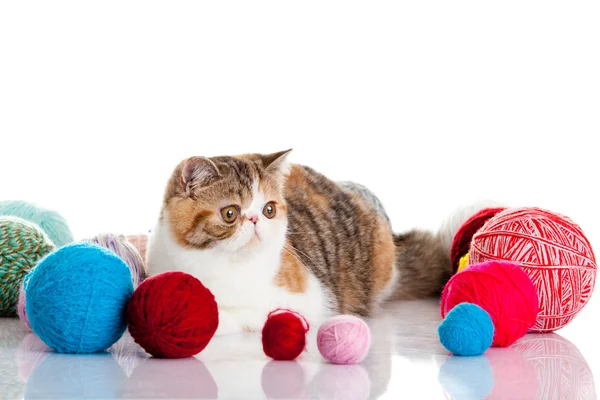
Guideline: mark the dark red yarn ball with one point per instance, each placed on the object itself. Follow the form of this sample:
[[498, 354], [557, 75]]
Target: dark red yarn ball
[[172, 315], [284, 334], [462, 238]]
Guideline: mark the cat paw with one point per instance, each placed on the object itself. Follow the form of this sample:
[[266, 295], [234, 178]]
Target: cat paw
[[228, 324]]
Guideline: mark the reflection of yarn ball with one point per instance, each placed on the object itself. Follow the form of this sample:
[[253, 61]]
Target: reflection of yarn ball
[[186, 378], [51, 222], [344, 339], [125, 250], [22, 244], [284, 380], [348, 382], [88, 376], [284, 334], [76, 298], [172, 315], [500, 288], [467, 330], [462, 238], [466, 377], [552, 250], [557, 367]]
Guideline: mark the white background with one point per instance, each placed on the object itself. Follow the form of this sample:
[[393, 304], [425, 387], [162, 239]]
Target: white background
[[430, 104]]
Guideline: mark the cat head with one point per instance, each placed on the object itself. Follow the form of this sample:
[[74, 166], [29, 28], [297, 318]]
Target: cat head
[[230, 203]]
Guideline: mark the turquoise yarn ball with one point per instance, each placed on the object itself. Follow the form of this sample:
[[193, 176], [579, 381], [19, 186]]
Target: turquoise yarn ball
[[467, 330], [51, 222], [22, 244], [76, 298]]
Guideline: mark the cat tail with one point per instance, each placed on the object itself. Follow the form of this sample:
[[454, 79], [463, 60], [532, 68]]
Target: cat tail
[[423, 258]]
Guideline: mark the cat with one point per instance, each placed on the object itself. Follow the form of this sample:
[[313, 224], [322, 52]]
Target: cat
[[262, 233]]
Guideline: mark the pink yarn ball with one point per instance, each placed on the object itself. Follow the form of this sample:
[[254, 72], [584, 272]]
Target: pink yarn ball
[[552, 250], [344, 339], [21, 307]]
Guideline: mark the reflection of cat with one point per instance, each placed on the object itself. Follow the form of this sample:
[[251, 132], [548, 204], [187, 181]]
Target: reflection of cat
[[538, 366]]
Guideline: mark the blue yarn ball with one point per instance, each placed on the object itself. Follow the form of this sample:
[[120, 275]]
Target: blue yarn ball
[[467, 330], [76, 298], [51, 222]]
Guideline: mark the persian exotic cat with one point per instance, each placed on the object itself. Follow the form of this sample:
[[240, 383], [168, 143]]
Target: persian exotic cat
[[262, 233]]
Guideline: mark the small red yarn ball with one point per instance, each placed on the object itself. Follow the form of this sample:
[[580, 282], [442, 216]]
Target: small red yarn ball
[[552, 250], [500, 288], [172, 315], [462, 238], [284, 335]]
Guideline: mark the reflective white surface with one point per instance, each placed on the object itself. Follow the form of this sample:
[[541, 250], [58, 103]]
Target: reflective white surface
[[406, 361]]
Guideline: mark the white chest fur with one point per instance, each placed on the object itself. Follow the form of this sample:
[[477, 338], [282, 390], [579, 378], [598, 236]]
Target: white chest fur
[[243, 286]]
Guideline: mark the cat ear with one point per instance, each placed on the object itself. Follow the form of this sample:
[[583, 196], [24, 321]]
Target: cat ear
[[277, 162], [198, 172]]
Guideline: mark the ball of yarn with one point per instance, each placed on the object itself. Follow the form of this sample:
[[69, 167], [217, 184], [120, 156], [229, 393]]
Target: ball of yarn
[[76, 298], [467, 330], [51, 222], [284, 334], [500, 288], [344, 339], [172, 315], [140, 242], [125, 250], [463, 263], [463, 236], [21, 311], [553, 252], [22, 244]]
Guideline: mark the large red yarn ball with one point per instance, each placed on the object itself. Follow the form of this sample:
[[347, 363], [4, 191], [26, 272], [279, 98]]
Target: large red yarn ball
[[463, 236], [284, 334], [172, 315], [500, 288], [554, 253]]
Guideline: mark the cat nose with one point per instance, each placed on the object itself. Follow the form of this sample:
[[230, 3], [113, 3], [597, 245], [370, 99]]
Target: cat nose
[[254, 219]]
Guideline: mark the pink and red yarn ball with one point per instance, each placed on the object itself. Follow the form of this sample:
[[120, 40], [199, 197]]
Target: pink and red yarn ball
[[552, 250], [500, 288], [344, 339]]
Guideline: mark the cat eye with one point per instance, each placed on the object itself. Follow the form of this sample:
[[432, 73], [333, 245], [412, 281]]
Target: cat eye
[[229, 214], [270, 210]]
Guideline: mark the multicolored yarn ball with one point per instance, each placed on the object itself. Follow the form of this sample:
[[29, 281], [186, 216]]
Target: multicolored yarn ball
[[284, 334], [463, 236], [344, 339], [22, 245], [552, 250], [76, 298], [500, 288], [140, 242], [125, 250], [467, 330], [51, 222], [172, 315]]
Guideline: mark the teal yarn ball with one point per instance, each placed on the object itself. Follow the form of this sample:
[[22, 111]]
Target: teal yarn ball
[[467, 330], [22, 244], [76, 298], [50, 221]]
